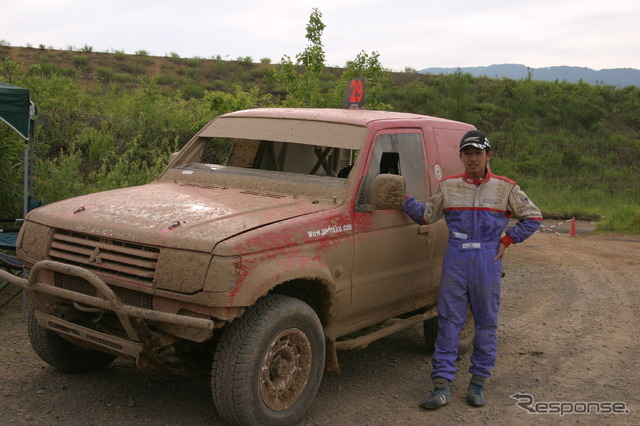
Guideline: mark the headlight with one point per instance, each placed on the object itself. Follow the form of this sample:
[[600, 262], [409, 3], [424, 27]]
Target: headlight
[[181, 270], [33, 239]]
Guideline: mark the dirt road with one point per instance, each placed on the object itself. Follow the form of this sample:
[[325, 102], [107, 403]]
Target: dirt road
[[568, 333]]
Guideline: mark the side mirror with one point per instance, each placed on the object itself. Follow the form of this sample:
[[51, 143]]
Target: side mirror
[[387, 192], [173, 155]]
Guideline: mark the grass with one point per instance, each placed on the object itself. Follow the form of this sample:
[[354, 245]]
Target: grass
[[110, 119]]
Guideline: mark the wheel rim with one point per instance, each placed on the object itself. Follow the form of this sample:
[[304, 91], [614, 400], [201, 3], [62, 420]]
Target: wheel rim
[[285, 369]]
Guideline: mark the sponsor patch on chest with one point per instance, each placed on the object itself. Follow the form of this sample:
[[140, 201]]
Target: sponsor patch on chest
[[488, 202]]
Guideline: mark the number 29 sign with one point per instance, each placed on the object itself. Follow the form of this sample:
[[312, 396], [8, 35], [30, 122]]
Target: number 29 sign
[[354, 94]]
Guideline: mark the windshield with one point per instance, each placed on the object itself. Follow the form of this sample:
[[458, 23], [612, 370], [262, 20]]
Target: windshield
[[290, 156]]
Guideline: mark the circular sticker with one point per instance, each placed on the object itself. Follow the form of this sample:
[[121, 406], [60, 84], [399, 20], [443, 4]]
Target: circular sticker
[[437, 171]]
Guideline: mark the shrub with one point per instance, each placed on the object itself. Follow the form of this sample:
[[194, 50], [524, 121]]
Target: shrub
[[165, 79], [192, 62], [96, 146], [175, 58], [192, 91], [217, 85], [105, 74], [258, 73], [132, 68], [47, 69], [81, 61], [10, 173], [556, 139]]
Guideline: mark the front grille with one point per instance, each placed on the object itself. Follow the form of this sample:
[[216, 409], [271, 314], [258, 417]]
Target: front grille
[[113, 259], [79, 285]]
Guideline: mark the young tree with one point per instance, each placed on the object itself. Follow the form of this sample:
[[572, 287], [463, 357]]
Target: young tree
[[365, 65], [302, 79], [303, 89]]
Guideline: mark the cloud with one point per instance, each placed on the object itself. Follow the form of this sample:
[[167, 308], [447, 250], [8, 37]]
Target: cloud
[[415, 33]]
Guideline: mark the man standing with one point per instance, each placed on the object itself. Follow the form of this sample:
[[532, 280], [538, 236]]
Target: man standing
[[476, 206]]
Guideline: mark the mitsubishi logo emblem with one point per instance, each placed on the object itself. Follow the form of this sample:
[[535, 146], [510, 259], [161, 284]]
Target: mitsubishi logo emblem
[[96, 256]]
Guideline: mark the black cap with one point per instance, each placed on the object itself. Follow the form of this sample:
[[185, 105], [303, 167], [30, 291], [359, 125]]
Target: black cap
[[475, 139]]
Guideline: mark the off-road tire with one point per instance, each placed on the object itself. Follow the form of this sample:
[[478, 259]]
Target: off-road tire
[[268, 364], [467, 334], [60, 353]]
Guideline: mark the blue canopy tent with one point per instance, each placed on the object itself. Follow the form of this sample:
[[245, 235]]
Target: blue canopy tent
[[17, 110]]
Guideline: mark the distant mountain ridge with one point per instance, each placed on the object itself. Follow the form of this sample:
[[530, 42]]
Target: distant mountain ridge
[[620, 77]]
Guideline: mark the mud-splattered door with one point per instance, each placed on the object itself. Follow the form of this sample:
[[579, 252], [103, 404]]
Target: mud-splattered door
[[392, 266]]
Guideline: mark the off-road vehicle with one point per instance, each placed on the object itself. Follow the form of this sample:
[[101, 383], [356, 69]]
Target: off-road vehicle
[[255, 271]]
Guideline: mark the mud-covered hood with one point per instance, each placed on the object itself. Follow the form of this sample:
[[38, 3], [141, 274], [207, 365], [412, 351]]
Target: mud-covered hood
[[172, 214]]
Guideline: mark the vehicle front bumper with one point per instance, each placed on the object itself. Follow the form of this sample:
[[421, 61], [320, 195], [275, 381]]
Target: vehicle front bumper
[[134, 319]]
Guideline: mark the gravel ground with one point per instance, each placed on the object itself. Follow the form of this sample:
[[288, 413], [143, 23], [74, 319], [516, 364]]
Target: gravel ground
[[568, 333]]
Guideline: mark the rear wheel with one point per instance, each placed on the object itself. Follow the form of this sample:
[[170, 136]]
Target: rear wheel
[[62, 354], [467, 334], [268, 364]]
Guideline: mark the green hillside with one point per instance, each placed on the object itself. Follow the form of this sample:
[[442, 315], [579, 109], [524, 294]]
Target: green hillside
[[108, 120]]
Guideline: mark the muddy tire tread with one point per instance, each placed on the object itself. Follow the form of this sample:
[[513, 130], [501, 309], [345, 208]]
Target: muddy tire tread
[[233, 360]]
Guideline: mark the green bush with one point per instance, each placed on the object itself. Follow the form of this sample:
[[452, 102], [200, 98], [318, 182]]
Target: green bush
[[175, 58], [132, 68], [192, 91], [81, 61], [165, 79], [575, 148], [192, 62], [105, 74], [11, 172], [46, 69]]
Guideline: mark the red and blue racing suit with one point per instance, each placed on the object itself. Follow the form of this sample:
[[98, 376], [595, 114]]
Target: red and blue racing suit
[[476, 212]]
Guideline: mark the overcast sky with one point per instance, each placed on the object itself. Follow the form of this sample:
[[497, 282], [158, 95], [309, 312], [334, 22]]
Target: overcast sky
[[419, 34]]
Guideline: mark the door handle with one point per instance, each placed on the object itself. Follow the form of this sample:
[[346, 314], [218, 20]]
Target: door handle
[[424, 229]]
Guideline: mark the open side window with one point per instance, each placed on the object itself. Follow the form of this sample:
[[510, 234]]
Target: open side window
[[401, 154]]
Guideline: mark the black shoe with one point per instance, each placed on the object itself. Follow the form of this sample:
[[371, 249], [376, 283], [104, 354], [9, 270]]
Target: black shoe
[[475, 394], [440, 397]]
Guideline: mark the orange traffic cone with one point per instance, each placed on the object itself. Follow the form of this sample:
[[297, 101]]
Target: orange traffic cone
[[572, 232]]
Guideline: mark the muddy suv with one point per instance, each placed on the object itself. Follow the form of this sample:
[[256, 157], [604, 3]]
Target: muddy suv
[[256, 271]]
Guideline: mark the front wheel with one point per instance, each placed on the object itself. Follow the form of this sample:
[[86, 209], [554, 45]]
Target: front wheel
[[60, 353], [268, 364]]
